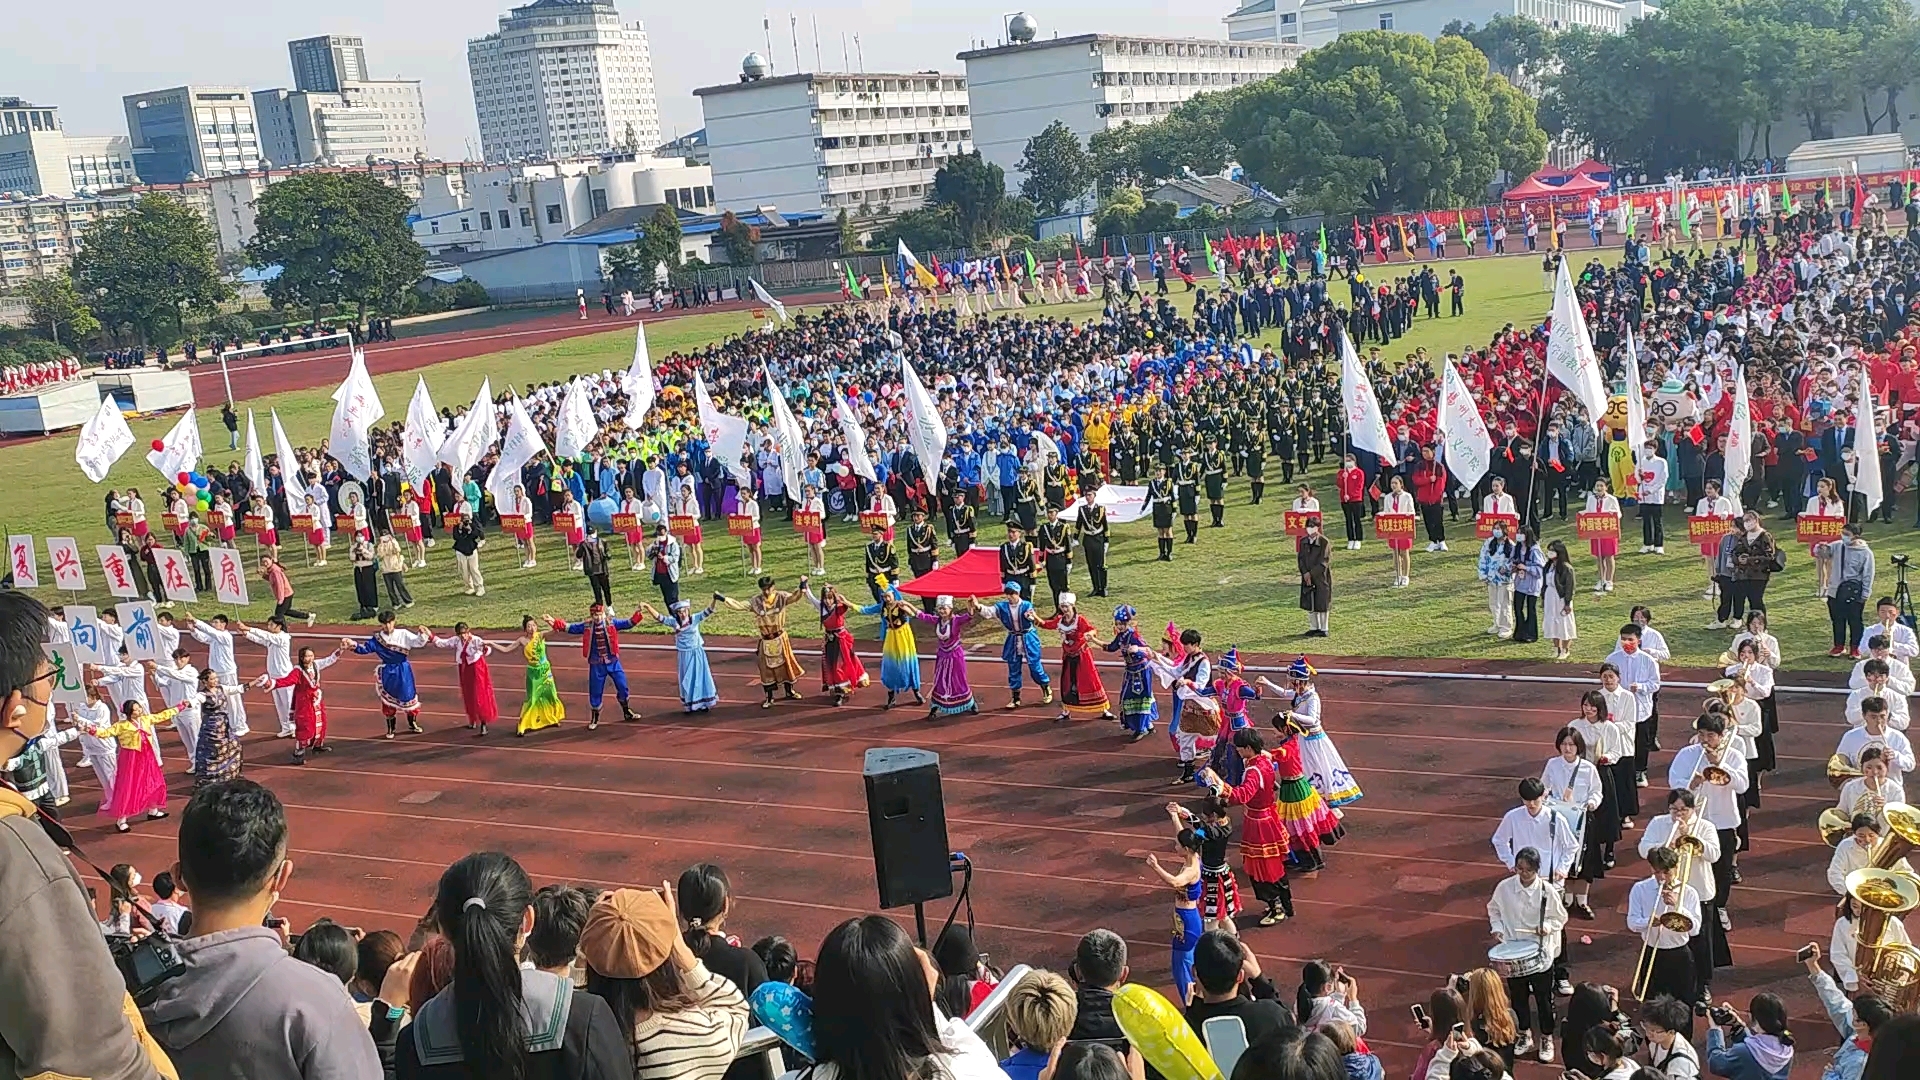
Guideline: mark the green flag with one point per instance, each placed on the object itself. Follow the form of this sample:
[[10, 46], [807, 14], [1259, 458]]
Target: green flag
[[1212, 266], [1786, 198], [853, 286], [1323, 236]]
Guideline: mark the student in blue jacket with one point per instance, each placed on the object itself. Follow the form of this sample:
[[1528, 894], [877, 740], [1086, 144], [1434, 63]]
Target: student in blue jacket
[[1763, 1053]]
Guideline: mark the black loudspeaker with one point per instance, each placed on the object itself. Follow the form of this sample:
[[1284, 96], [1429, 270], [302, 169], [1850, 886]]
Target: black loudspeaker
[[909, 825]]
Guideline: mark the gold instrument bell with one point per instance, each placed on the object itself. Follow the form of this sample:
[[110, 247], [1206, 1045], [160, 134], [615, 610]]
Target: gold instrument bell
[[1835, 826], [1677, 921], [1689, 845], [1840, 769], [1719, 687], [1714, 774], [1903, 836], [1888, 969]]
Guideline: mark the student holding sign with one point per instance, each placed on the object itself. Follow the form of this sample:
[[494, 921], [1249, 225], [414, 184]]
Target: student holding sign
[[1396, 510], [1599, 524]]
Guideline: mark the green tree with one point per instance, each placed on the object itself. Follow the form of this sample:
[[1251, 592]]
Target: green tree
[[1192, 136], [1384, 121], [143, 268], [56, 308], [976, 192], [659, 242], [339, 239], [930, 229], [1057, 169], [849, 236], [1514, 46], [739, 240]]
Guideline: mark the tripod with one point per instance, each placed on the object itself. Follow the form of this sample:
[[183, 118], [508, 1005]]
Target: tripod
[[1902, 596]]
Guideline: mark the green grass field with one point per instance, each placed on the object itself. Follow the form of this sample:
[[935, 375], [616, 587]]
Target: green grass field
[[1236, 584]]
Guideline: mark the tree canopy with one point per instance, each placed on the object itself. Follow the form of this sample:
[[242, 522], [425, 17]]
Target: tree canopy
[[339, 239], [139, 270], [1056, 168], [56, 308], [1381, 121], [1193, 135]]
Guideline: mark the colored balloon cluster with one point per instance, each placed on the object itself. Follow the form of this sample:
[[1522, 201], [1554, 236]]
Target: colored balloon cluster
[[194, 486]]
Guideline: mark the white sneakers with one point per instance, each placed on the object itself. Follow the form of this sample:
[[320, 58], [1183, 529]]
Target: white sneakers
[[1659, 549], [1646, 549], [1546, 1046], [1716, 625]]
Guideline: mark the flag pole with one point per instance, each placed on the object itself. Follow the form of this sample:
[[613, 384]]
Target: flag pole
[[1540, 416]]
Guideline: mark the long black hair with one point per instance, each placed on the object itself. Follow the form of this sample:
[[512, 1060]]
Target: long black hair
[[481, 902], [872, 1008], [1561, 569], [702, 893]]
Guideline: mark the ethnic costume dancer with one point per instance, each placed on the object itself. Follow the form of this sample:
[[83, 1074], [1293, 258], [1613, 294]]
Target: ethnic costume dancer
[[899, 653], [1310, 824], [1263, 839], [1323, 761], [600, 644], [1219, 892], [695, 672], [951, 692], [476, 679], [1232, 691], [778, 667], [841, 672], [397, 695], [1022, 648], [1138, 710], [1082, 697], [216, 754], [140, 782], [309, 708], [1196, 716], [1186, 886], [542, 707]]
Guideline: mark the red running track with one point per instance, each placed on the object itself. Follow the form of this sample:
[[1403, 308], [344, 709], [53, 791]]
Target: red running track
[[1057, 819]]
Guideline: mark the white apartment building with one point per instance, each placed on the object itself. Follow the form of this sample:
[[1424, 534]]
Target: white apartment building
[[563, 79], [189, 132], [39, 236], [1093, 82], [383, 120], [1313, 23], [832, 140], [51, 162], [516, 206]]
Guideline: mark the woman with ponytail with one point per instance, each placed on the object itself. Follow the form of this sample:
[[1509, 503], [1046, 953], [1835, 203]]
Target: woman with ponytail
[[495, 1020], [1763, 1053], [705, 900]]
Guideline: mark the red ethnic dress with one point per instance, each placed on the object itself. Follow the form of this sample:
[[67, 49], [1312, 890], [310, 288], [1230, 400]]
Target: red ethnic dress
[[1263, 840], [1081, 693], [841, 672]]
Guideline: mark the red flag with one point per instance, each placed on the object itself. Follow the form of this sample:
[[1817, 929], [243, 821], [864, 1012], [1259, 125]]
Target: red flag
[[1358, 243], [1859, 198], [1079, 259], [1379, 242]]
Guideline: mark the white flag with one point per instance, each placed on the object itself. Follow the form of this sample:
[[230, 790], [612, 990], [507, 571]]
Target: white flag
[[420, 439], [1739, 452], [23, 561], [726, 435], [1463, 432], [179, 452], [136, 620], [788, 438], [1636, 394], [229, 576], [765, 297], [1043, 445], [65, 688], [479, 429], [858, 459], [63, 554], [1366, 428], [926, 431], [103, 440], [356, 409], [521, 444], [289, 462], [176, 580], [639, 380], [254, 468], [574, 426], [1570, 355], [1866, 447]]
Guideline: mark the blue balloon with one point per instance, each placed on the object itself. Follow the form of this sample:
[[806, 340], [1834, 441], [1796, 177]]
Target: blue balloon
[[787, 1013], [600, 513]]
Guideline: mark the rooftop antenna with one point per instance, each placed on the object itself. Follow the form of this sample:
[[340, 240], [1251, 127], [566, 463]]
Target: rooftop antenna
[[845, 63], [817, 64], [766, 26], [793, 27], [857, 51]]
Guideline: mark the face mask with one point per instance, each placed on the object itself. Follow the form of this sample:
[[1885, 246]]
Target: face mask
[[1630, 646]]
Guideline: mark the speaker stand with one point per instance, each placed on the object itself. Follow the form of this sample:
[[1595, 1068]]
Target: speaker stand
[[920, 922]]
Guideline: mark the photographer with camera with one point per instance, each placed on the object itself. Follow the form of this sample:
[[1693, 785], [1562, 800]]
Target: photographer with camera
[[1848, 580], [1739, 1054], [57, 1017]]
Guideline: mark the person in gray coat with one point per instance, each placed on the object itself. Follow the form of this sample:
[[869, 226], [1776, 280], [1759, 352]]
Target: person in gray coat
[[243, 1009]]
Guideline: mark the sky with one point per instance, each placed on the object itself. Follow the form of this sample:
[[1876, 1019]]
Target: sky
[[85, 65]]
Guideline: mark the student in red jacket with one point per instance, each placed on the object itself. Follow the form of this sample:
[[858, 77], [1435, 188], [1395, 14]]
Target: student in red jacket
[[1353, 493], [1429, 490]]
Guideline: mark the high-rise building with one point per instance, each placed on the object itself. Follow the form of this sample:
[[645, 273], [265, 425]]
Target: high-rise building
[[327, 62], [1094, 82], [55, 163], [384, 120], [828, 140], [1313, 23], [192, 131], [19, 114], [563, 78]]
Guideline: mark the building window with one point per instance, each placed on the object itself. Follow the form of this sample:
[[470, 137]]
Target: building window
[[433, 226], [553, 213], [526, 217], [1386, 20], [486, 221]]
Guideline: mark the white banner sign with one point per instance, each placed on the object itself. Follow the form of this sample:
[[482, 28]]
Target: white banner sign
[[65, 688], [229, 576], [176, 580], [64, 555], [23, 562], [137, 620], [89, 643], [119, 570]]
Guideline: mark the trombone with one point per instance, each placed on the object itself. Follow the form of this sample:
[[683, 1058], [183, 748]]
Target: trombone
[[1688, 845]]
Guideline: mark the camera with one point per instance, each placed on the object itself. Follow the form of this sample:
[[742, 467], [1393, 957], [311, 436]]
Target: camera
[[147, 964], [1901, 560], [1722, 1015]]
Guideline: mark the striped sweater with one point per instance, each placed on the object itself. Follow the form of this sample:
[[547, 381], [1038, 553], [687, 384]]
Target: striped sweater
[[697, 1042]]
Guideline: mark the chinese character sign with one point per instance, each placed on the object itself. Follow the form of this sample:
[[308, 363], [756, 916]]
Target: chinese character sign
[[21, 560], [118, 570], [64, 554], [89, 644], [174, 578], [229, 576], [142, 642], [65, 687]]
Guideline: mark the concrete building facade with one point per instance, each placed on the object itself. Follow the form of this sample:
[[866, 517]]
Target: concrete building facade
[[192, 132], [563, 79], [1313, 23]]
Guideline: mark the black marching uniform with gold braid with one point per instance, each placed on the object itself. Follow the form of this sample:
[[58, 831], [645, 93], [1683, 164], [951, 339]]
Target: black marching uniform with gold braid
[[1091, 527]]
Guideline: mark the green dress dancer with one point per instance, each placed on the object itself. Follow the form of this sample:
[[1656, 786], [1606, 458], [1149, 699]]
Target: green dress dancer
[[542, 707]]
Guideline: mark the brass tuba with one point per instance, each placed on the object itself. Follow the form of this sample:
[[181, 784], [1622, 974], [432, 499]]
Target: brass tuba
[[1840, 769], [1834, 826], [1889, 970], [1903, 836]]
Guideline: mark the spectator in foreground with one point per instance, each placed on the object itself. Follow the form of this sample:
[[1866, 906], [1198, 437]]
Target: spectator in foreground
[[1735, 1052], [509, 1021], [965, 981], [165, 908], [704, 900], [1099, 968], [873, 1012], [686, 1022], [56, 1016], [1295, 1053], [330, 947], [1896, 1046], [374, 956], [1223, 968], [1097, 1061], [1326, 993], [1359, 1066], [1668, 1024], [1859, 1021], [243, 1008], [1040, 1013], [559, 914], [783, 963]]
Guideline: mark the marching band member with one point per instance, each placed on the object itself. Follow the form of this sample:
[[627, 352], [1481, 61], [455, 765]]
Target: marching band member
[[1621, 711], [1842, 947], [1877, 675], [1744, 719], [1873, 789], [1899, 671], [1527, 907], [1660, 894], [1532, 825], [1639, 671], [1750, 661], [1874, 731], [1718, 798], [1853, 852], [1682, 821], [1900, 639], [1573, 780]]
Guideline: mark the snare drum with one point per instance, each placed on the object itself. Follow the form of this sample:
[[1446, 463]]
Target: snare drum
[[1518, 959]]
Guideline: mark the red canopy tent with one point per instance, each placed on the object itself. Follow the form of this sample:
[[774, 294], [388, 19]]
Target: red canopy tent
[[1575, 187], [977, 573]]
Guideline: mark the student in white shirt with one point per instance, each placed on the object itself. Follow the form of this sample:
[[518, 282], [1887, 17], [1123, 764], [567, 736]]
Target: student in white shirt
[[1573, 781], [1665, 1021], [1858, 794], [1841, 949], [1526, 907], [1875, 731], [1652, 495], [1853, 852], [1615, 752], [1900, 639], [1876, 675], [279, 646], [1640, 672], [1899, 672], [1713, 505], [1719, 802], [178, 679], [219, 641], [1651, 899], [1681, 820], [1497, 501], [1532, 825]]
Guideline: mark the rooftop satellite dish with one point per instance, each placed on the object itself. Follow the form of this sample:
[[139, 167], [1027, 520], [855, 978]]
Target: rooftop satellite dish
[[1021, 28], [754, 67]]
